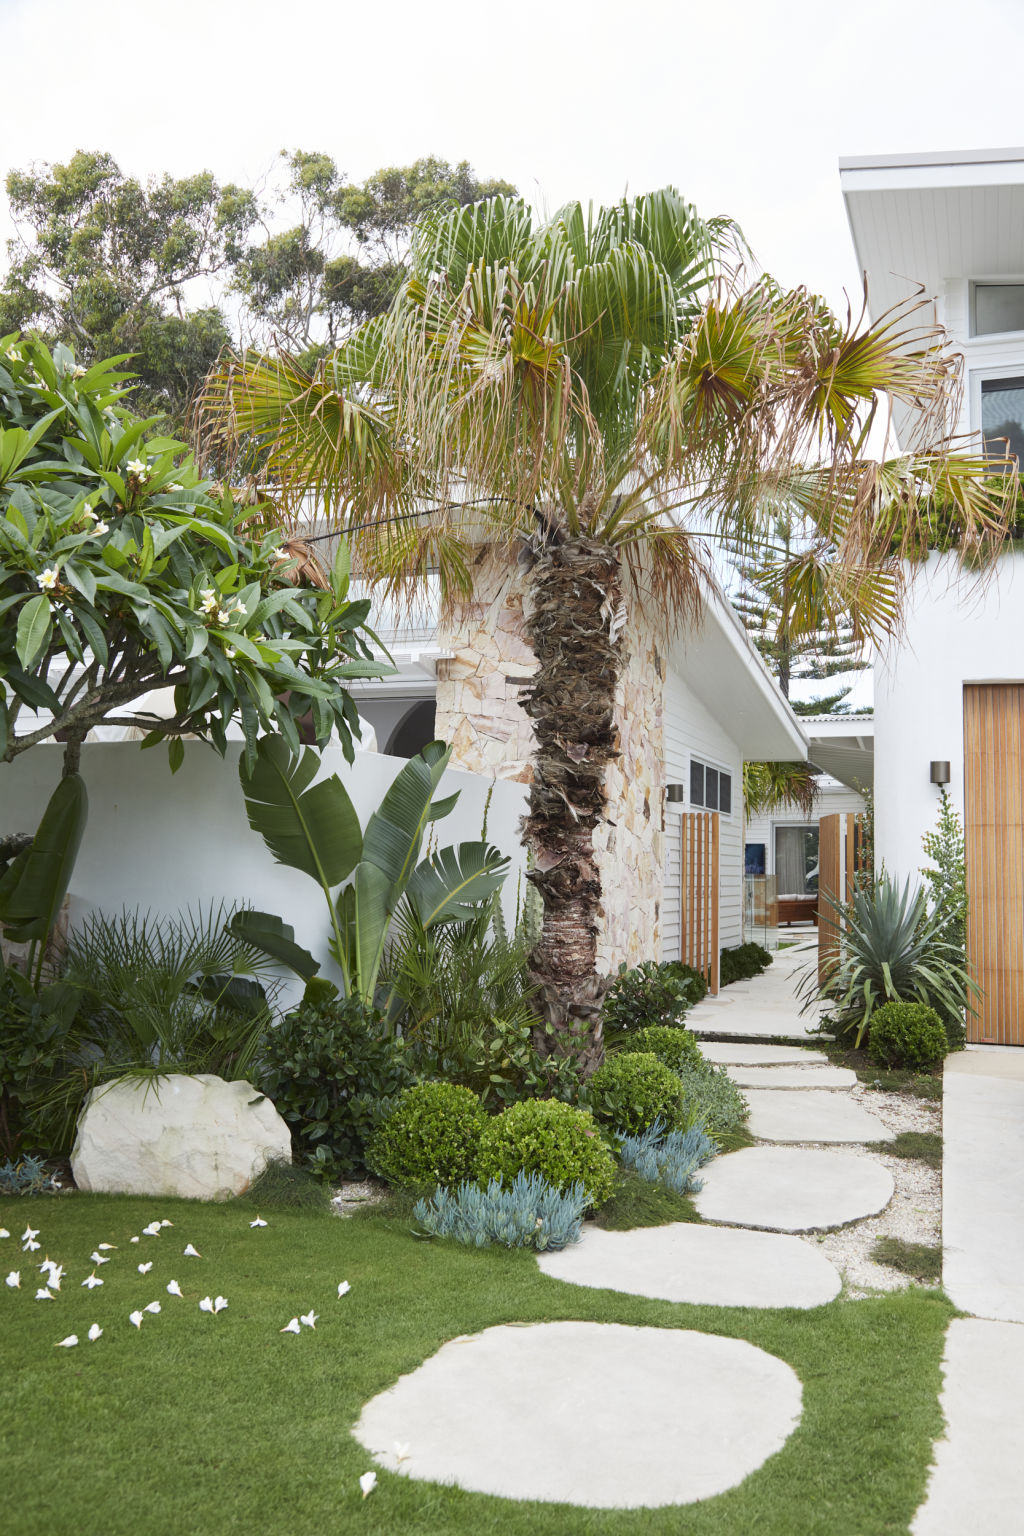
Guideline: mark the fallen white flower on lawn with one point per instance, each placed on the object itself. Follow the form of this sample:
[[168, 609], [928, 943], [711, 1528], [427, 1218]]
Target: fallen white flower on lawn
[[153, 1230], [98, 1258], [368, 1483], [190, 1252], [173, 1288], [29, 1233], [166, 1223], [135, 1318], [309, 1318], [133, 1239], [144, 1269], [343, 1289], [29, 1247], [292, 1327], [94, 1332], [401, 1451], [153, 1306], [105, 1247], [68, 1343], [219, 1303], [92, 1281], [4, 1232], [14, 1279], [45, 1296], [259, 1222]]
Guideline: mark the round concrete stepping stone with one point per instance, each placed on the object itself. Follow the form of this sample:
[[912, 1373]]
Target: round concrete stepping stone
[[710, 1266], [793, 1077], [728, 1053], [793, 1189], [594, 1414], [807, 1115]]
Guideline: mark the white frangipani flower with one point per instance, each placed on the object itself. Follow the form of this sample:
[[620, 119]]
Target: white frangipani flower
[[14, 1279], [368, 1483], [401, 1451], [103, 1247], [308, 1319], [206, 1305], [92, 1281], [144, 1269], [173, 1288], [133, 1239], [78, 372], [4, 1232], [49, 578], [29, 1233], [30, 1246], [138, 467], [152, 1306], [166, 1223], [135, 1318], [99, 529], [94, 1332], [190, 1252], [223, 616], [56, 1273], [259, 1222], [97, 1257], [219, 1303], [45, 1296], [153, 1230], [230, 652], [292, 1327], [343, 1289], [68, 1343]]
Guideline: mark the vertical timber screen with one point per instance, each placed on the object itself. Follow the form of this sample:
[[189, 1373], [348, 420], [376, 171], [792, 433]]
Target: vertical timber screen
[[699, 944]]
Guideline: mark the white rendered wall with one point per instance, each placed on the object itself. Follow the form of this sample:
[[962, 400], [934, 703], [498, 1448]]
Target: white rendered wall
[[163, 842], [957, 631], [691, 731]]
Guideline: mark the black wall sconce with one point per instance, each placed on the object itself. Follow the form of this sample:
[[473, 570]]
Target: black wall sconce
[[940, 774], [675, 794]]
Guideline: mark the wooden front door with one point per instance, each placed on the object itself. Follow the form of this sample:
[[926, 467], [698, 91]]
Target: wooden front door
[[994, 834]]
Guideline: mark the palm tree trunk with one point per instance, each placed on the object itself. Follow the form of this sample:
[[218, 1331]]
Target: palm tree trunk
[[571, 625]]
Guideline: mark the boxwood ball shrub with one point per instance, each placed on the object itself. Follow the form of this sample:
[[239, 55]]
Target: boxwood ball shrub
[[561, 1143], [672, 1047], [431, 1136], [907, 1035], [632, 1090]]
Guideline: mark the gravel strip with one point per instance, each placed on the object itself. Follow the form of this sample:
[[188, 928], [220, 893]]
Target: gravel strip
[[354, 1194]]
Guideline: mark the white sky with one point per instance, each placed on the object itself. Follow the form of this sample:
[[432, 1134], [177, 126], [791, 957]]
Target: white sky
[[745, 105]]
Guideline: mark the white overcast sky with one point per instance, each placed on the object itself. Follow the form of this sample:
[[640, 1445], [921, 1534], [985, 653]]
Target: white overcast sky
[[744, 106]]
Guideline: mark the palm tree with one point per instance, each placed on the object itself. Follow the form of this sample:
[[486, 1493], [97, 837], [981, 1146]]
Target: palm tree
[[602, 394]]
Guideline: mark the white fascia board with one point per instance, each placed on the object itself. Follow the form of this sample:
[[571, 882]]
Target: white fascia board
[[724, 669]]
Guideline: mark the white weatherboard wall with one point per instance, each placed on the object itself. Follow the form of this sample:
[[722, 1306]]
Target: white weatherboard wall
[[957, 631], [163, 842], [692, 731], [832, 797]]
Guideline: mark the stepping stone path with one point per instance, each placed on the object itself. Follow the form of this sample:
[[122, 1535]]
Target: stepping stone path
[[595, 1414], [802, 1114], [793, 1077], [710, 1266], [727, 1053], [793, 1189]]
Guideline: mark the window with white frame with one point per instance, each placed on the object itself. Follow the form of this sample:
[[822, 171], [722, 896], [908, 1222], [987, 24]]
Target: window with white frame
[[710, 787], [1002, 415], [996, 308]]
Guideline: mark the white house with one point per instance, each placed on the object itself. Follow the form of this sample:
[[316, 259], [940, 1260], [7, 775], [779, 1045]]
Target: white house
[[949, 697]]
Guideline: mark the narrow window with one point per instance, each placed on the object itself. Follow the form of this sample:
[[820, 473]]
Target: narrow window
[[696, 783], [725, 793], [711, 788]]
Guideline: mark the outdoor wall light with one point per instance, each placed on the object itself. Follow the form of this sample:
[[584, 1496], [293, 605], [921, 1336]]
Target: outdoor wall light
[[940, 773], [675, 793]]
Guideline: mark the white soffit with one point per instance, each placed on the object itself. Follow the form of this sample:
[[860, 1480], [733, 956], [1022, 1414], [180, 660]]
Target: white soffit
[[843, 746], [931, 218]]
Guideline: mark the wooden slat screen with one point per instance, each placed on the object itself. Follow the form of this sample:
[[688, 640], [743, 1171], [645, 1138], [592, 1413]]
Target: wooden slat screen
[[994, 834], [699, 891], [831, 850]]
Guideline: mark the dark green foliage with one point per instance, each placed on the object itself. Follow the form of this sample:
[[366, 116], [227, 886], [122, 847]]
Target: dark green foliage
[[672, 1046], [946, 879], [921, 1146], [559, 1142], [635, 1202], [712, 1099], [906, 1035], [430, 1136], [696, 980], [34, 1029], [329, 1069], [630, 1092], [287, 1186], [649, 994], [529, 1213], [742, 962], [920, 1260]]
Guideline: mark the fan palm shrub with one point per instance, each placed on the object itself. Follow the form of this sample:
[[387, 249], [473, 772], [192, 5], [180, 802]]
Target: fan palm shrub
[[598, 393], [892, 949]]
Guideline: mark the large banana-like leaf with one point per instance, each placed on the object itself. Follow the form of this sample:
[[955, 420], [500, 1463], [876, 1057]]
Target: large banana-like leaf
[[310, 827], [275, 938], [36, 883], [394, 832], [449, 886]]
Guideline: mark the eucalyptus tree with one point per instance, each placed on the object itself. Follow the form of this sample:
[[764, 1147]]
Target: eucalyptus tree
[[601, 393]]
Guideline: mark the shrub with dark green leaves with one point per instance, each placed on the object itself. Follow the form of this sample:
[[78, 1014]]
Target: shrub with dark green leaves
[[330, 1069], [430, 1137], [695, 980], [33, 1040], [647, 994], [742, 962], [673, 1047], [633, 1090], [555, 1140], [711, 1098], [907, 1035]]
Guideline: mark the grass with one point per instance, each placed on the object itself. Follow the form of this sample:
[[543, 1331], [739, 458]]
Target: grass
[[919, 1260], [923, 1085], [210, 1426], [636, 1202], [922, 1146]]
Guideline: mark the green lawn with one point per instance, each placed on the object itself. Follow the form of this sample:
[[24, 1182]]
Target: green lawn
[[214, 1425]]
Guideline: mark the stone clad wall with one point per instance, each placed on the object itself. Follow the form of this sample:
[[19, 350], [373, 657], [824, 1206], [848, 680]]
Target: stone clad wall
[[478, 711]]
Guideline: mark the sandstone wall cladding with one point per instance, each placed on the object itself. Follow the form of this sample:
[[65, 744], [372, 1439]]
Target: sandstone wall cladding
[[479, 713]]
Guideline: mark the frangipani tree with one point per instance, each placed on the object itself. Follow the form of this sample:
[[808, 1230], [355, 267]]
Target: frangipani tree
[[602, 393]]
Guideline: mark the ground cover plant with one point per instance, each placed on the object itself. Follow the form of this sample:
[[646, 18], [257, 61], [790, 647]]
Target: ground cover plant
[[922, 1261], [97, 1437], [919, 1146], [528, 1212], [636, 1202]]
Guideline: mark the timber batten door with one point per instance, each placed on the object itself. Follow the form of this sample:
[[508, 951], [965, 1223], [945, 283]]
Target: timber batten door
[[698, 910], [994, 836], [840, 858]]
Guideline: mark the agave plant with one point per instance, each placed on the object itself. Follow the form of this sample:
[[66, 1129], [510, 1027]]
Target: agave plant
[[892, 949]]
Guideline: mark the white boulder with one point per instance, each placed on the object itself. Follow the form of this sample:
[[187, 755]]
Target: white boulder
[[197, 1137]]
